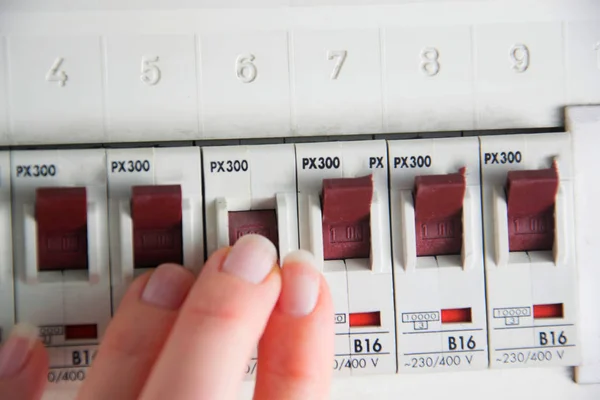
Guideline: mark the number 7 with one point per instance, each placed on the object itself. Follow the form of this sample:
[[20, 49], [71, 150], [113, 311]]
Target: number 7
[[340, 56]]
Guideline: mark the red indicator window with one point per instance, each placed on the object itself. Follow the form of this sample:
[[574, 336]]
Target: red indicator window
[[438, 213], [545, 311], [156, 215], [456, 316], [365, 319], [77, 332], [262, 222], [346, 217], [530, 197], [61, 216]]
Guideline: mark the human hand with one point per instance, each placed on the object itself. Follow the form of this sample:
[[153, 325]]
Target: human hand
[[178, 337]]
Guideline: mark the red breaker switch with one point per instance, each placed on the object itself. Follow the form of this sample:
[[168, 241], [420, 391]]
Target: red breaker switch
[[438, 213], [259, 222], [530, 197], [156, 215], [346, 217], [61, 216]]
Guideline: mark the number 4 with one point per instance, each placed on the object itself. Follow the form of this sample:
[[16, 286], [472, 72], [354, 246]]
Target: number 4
[[54, 75], [340, 57]]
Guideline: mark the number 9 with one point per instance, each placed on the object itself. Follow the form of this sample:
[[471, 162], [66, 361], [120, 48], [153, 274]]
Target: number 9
[[519, 57]]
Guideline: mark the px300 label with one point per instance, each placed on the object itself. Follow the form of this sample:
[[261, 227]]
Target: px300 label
[[321, 163], [228, 166], [36, 171], [130, 166]]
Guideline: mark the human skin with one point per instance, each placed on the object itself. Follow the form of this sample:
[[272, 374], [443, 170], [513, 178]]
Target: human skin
[[180, 337]]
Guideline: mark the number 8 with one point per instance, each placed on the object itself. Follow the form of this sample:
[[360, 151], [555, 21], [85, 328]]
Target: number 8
[[430, 64]]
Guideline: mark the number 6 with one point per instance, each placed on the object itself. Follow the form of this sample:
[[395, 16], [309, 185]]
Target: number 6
[[150, 71], [245, 70]]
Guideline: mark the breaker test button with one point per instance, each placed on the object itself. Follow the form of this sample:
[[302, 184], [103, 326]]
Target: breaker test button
[[61, 215], [346, 217], [531, 196], [438, 213], [156, 214], [259, 222]]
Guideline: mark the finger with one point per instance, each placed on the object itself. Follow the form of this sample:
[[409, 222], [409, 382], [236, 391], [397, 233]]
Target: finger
[[23, 365], [296, 351], [219, 325], [137, 334]]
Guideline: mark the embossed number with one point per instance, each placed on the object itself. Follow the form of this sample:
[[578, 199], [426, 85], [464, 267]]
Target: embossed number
[[54, 74], [150, 72], [430, 64], [245, 69], [519, 58], [339, 56], [597, 48]]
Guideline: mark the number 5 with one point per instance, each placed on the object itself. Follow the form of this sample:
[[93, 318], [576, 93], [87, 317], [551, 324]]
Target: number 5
[[150, 71], [340, 57]]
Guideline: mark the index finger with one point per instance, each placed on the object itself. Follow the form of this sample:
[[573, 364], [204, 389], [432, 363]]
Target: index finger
[[219, 325]]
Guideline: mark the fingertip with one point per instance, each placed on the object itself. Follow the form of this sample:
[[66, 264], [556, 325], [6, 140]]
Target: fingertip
[[168, 286], [23, 364]]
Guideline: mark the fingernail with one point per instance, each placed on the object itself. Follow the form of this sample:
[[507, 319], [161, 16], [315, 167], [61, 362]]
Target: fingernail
[[168, 286], [15, 351], [251, 258], [300, 286]]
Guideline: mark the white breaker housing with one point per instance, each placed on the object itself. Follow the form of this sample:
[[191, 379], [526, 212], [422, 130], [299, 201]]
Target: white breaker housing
[[152, 166], [55, 300], [426, 286], [519, 280], [250, 178], [7, 299], [357, 285]]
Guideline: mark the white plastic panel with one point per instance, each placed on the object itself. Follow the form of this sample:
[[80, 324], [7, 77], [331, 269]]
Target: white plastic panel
[[7, 310], [53, 299], [426, 285], [151, 88], [429, 79], [245, 84], [55, 89], [152, 166], [245, 178], [583, 124], [380, 87], [583, 62], [368, 286], [520, 77], [516, 281], [337, 84], [3, 92]]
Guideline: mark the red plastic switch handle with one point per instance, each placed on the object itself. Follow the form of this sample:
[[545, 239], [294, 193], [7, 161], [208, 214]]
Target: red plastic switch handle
[[156, 214], [260, 222], [346, 217], [531, 196], [438, 213], [61, 216]]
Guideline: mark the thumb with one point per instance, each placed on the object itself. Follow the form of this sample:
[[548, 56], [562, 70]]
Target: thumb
[[23, 365]]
